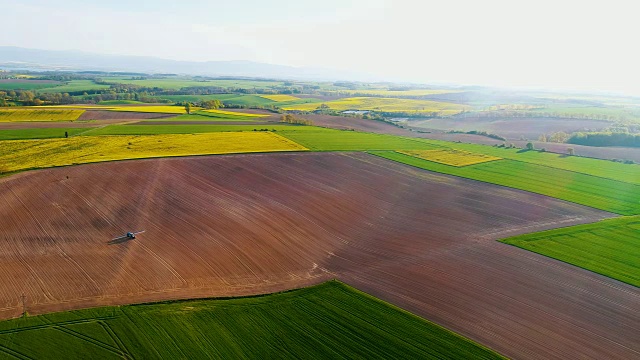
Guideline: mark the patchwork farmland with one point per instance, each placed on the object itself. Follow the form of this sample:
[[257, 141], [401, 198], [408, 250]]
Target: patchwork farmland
[[382, 206], [210, 232]]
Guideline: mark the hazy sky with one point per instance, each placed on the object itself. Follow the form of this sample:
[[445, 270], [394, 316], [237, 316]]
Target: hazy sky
[[588, 45]]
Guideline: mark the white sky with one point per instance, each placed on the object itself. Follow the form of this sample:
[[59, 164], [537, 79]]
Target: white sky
[[584, 45]]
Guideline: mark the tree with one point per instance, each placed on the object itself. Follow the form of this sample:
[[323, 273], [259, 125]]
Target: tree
[[211, 104], [542, 138], [529, 146], [559, 137], [187, 107]]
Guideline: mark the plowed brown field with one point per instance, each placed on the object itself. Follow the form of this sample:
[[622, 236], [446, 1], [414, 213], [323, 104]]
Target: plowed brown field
[[121, 115], [246, 224]]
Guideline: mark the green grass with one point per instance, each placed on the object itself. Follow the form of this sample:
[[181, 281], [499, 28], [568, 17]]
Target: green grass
[[233, 99], [74, 85], [119, 102], [609, 247], [37, 133], [607, 169], [331, 320], [22, 85], [600, 193], [341, 140], [179, 82]]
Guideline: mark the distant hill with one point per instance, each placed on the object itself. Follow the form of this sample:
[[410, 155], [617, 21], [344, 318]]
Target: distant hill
[[34, 59]]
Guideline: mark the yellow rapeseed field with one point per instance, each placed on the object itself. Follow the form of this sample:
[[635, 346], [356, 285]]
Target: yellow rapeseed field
[[280, 98], [31, 114], [16, 155], [451, 157], [224, 112], [390, 105]]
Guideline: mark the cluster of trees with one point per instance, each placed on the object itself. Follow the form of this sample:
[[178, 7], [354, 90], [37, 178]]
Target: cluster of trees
[[605, 139], [28, 98], [291, 119], [482, 133], [209, 104], [556, 137]]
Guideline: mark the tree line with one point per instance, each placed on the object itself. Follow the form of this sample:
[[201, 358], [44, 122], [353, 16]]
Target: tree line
[[605, 139]]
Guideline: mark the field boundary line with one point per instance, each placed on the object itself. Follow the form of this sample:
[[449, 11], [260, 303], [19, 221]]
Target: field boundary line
[[487, 182], [14, 353], [89, 339]]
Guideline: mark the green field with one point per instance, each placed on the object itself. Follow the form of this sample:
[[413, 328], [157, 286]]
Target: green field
[[342, 140], [119, 102], [607, 169], [232, 99], [46, 133], [74, 85], [609, 247], [600, 193], [23, 85], [178, 83], [331, 320]]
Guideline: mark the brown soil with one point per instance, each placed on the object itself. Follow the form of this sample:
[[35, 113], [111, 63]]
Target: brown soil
[[121, 115], [204, 122], [381, 127], [513, 128], [60, 124], [247, 224]]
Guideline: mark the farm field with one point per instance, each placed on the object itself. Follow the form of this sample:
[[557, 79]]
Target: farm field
[[340, 140], [153, 109], [232, 114], [280, 98], [25, 84], [74, 86], [600, 193], [119, 102], [608, 247], [31, 114], [295, 324], [234, 99], [123, 116], [178, 83], [511, 128], [628, 173], [147, 128], [397, 93], [389, 105], [210, 232], [451, 157], [38, 133], [17, 155]]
